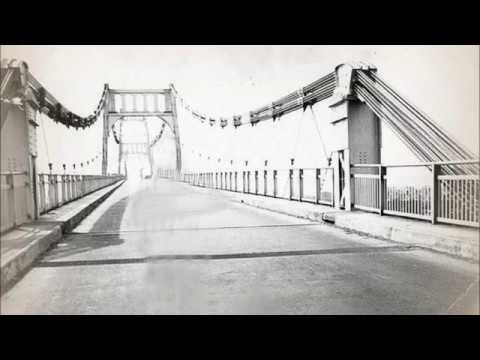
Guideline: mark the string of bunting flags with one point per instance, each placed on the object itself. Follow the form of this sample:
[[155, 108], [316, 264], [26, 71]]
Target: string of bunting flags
[[81, 163], [115, 135], [58, 113], [308, 95], [159, 136]]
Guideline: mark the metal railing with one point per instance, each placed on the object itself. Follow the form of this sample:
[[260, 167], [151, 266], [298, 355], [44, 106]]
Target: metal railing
[[420, 191], [14, 187], [430, 195], [313, 185], [55, 190]]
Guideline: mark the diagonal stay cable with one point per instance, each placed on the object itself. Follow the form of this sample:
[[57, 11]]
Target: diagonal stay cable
[[411, 128], [414, 109]]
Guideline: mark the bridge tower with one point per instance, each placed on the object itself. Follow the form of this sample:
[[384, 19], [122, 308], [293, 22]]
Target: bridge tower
[[356, 131], [19, 121], [134, 148], [116, 108]]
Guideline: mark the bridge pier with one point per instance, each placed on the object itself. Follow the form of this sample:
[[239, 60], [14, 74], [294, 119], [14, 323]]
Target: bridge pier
[[356, 131]]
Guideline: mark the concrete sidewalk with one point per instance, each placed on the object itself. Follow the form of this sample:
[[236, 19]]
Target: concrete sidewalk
[[22, 246], [450, 239]]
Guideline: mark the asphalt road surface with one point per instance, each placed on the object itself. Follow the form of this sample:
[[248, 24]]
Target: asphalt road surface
[[159, 247]]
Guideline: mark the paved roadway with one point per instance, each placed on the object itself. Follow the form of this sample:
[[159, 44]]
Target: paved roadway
[[168, 248]]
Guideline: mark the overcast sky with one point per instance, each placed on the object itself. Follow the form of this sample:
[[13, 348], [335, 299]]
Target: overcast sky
[[225, 80]]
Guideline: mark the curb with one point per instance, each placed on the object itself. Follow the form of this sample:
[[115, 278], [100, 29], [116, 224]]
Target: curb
[[466, 248], [460, 248], [14, 269], [71, 223]]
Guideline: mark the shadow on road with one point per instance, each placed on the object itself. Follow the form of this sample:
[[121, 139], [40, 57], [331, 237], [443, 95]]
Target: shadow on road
[[75, 243]]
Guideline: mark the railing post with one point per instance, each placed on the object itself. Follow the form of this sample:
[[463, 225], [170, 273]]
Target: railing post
[[80, 186], [317, 186], [300, 187], [275, 183], [290, 180], [256, 182], [51, 195], [265, 180], [72, 187], [41, 192], [381, 189], [11, 184], [248, 182], [434, 192], [55, 181], [69, 187], [243, 182], [64, 188]]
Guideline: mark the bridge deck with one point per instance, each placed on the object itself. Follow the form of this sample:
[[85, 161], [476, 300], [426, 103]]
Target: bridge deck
[[239, 260]]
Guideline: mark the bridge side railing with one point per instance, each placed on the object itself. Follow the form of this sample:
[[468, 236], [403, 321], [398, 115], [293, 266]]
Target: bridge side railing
[[55, 190], [14, 188], [419, 191], [424, 191], [312, 185]]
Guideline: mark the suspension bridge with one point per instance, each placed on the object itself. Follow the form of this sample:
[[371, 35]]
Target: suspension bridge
[[197, 160]]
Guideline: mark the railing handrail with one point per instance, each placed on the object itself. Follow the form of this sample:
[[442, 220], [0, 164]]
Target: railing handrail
[[453, 162], [258, 169], [13, 173], [102, 176]]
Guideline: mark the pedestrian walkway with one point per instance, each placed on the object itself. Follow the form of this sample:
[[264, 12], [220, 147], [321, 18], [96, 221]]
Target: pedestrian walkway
[[22, 246]]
